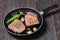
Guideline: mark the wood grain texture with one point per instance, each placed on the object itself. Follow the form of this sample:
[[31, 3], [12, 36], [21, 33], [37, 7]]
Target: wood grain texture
[[50, 32]]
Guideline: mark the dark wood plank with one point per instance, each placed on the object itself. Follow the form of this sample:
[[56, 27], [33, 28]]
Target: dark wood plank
[[7, 6], [57, 24], [51, 32], [57, 21]]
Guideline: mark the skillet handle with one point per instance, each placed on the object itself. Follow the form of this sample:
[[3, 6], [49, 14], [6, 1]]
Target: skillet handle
[[45, 11]]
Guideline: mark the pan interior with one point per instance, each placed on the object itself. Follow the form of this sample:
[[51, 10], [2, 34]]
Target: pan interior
[[24, 10]]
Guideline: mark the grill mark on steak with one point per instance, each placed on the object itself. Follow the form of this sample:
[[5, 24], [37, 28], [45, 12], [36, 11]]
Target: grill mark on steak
[[31, 19], [21, 26]]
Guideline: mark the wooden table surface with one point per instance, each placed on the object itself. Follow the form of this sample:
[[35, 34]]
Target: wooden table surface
[[51, 30]]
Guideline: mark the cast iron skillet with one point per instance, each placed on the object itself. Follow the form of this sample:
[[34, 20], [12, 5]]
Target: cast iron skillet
[[39, 14]]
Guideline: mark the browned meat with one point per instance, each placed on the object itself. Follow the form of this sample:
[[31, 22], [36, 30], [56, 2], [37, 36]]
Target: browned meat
[[16, 26], [31, 19]]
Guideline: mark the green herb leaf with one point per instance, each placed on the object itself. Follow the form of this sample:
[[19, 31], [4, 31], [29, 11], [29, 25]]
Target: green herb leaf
[[13, 18], [16, 25], [21, 12]]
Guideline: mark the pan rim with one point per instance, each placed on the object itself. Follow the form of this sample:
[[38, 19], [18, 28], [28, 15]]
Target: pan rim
[[23, 34]]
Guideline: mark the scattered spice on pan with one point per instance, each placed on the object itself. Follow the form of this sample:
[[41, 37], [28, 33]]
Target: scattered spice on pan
[[29, 32], [28, 28], [34, 29], [22, 19]]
